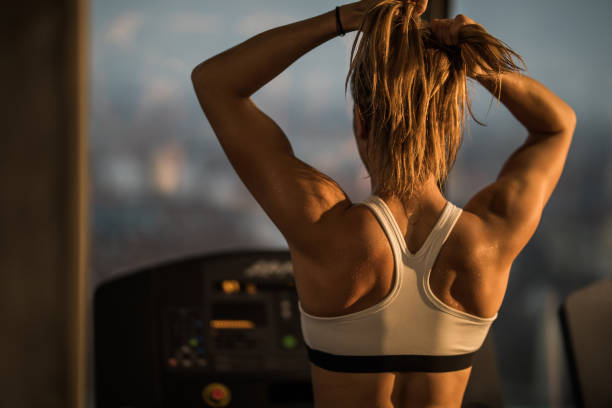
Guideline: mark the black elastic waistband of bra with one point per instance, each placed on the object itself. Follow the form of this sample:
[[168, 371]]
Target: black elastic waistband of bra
[[389, 363]]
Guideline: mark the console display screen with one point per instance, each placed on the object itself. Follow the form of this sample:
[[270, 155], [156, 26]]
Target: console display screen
[[238, 315]]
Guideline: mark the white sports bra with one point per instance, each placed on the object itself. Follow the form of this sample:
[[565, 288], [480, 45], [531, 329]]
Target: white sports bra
[[409, 330]]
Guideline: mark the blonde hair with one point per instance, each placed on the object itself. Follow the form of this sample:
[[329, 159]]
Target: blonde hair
[[412, 91]]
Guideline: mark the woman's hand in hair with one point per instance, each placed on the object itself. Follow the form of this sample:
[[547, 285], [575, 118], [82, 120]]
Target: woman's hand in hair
[[420, 6], [447, 30]]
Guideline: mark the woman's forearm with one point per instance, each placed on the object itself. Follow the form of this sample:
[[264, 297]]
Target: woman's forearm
[[246, 67], [533, 104]]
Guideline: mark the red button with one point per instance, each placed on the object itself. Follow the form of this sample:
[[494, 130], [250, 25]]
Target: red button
[[217, 394]]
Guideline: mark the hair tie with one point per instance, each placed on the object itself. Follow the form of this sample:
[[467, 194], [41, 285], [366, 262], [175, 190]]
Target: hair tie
[[339, 29]]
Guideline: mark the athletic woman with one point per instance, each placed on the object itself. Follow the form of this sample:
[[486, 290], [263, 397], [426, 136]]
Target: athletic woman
[[398, 292]]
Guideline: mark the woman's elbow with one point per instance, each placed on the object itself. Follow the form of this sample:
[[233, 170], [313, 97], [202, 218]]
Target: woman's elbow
[[570, 120], [196, 76], [201, 84]]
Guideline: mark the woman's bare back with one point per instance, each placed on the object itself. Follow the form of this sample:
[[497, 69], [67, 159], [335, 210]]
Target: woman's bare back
[[451, 280]]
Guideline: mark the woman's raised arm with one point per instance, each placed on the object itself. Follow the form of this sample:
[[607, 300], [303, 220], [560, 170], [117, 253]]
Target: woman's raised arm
[[511, 206]]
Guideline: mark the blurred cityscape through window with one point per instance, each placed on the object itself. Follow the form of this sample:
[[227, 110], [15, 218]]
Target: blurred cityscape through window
[[162, 188]]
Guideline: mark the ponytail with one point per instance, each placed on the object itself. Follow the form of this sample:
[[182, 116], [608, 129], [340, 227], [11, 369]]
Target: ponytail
[[412, 91]]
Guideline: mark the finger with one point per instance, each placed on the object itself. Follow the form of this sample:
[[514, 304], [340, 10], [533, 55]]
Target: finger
[[421, 7], [454, 32], [448, 38], [461, 18], [440, 29], [435, 26]]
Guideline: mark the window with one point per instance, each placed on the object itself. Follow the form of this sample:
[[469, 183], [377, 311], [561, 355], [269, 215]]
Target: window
[[162, 187]]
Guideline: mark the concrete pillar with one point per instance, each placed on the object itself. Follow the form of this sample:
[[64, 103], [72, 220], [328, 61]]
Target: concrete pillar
[[43, 220]]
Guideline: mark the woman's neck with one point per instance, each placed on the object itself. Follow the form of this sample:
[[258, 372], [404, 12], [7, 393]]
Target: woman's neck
[[429, 195]]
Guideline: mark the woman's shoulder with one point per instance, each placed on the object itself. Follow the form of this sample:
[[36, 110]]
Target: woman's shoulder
[[481, 270], [350, 257], [347, 238]]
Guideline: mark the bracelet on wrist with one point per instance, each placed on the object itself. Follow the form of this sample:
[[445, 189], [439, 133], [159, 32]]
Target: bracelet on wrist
[[339, 28]]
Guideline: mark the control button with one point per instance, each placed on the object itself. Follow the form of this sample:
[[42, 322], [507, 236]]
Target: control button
[[186, 349], [230, 286], [216, 395], [202, 362], [187, 363], [193, 342], [289, 341], [251, 288], [285, 307], [172, 362], [200, 350]]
